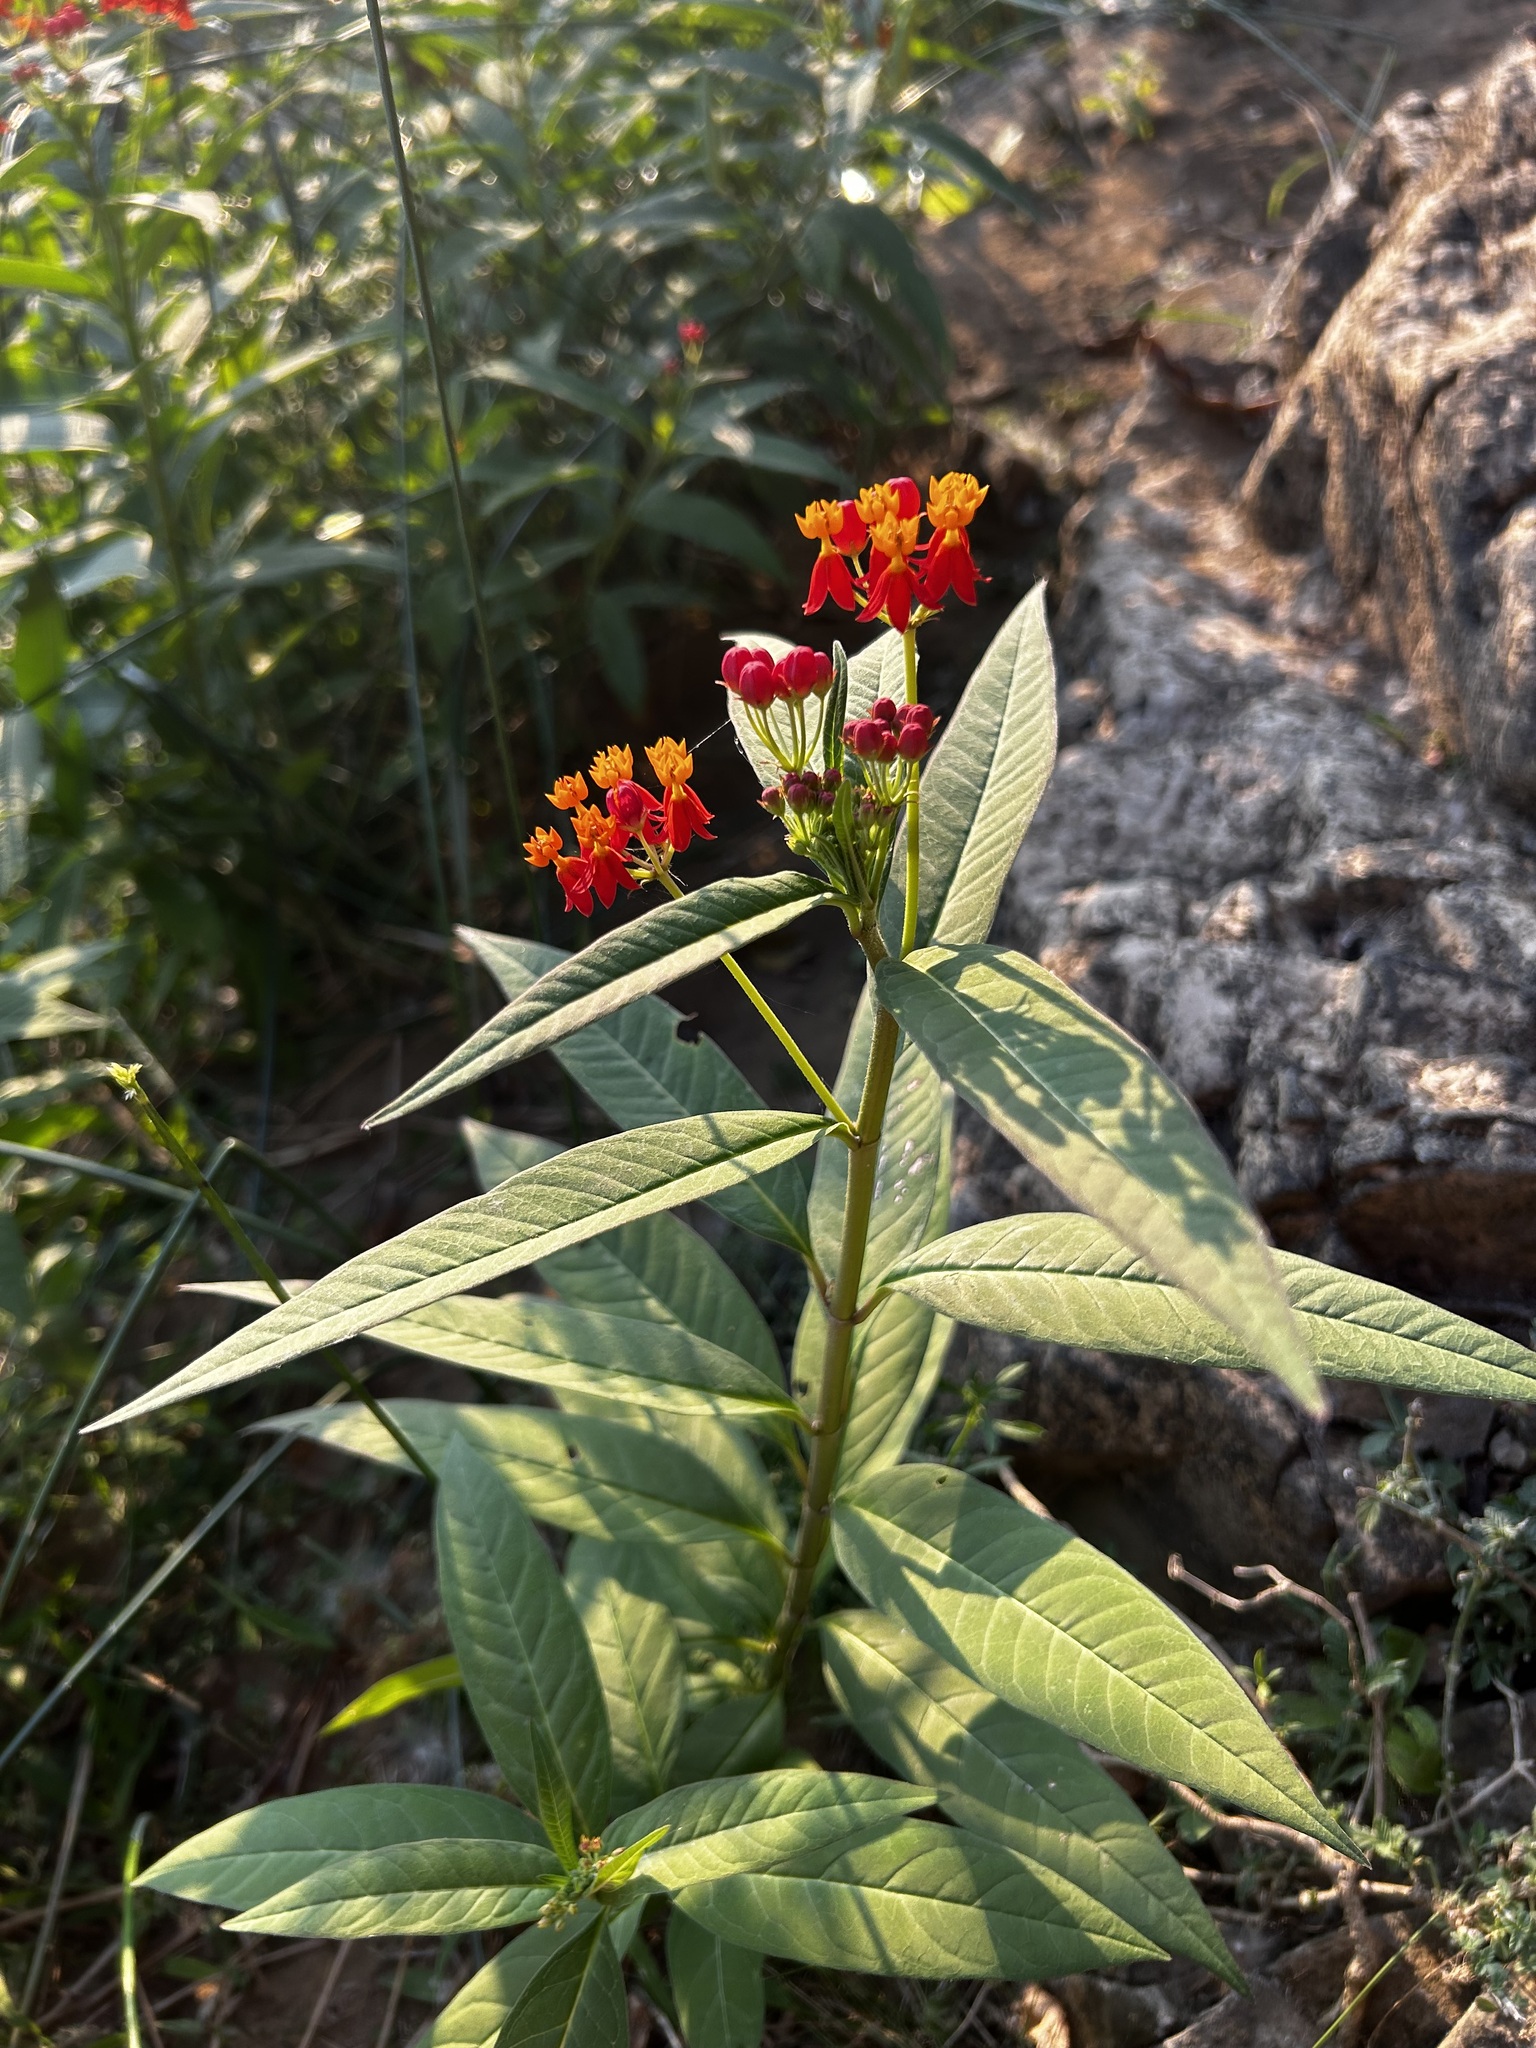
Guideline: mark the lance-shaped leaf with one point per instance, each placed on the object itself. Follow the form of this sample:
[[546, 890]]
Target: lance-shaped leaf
[[638, 1069], [639, 1663], [911, 1194], [522, 1336], [741, 1734], [399, 1689], [754, 1822], [727, 1450], [1006, 1775], [1050, 1625], [909, 1898], [1085, 1105], [718, 1988], [1067, 1280], [526, 1337], [656, 1270], [573, 1998], [550, 1207], [660, 946], [252, 1856], [981, 786], [474, 2017], [522, 1652], [443, 1887], [578, 1472]]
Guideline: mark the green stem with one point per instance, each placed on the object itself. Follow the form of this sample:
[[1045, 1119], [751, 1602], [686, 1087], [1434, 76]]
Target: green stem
[[128, 1077], [127, 1954], [769, 1015], [445, 416], [842, 1304], [914, 864]]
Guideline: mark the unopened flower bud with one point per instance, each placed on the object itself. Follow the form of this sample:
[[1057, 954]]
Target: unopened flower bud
[[884, 709], [772, 801], [869, 740], [628, 804], [735, 659], [911, 743], [757, 684], [801, 671]]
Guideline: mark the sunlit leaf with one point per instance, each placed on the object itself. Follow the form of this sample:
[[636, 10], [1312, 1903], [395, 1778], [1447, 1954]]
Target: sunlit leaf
[[399, 1689], [445, 1887], [1008, 1776], [522, 1653], [659, 946], [1086, 1105], [718, 1988], [256, 1854], [545, 1210], [1050, 1625], [639, 1663], [1065, 1279]]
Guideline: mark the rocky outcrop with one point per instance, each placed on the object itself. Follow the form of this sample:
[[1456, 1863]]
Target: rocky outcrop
[[1253, 854], [1408, 437]]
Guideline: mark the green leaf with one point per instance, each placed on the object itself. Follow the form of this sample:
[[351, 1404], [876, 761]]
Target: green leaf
[[741, 1734], [1051, 1626], [1006, 1775], [62, 280], [611, 1358], [40, 432], [981, 786], [659, 946], [20, 756], [639, 1071], [475, 2016], [717, 1594], [754, 1822], [1085, 1105], [911, 1197], [574, 1998], [446, 1887], [639, 1663], [724, 1448], [415, 1682], [909, 1898], [578, 1472], [521, 1649], [40, 648], [254, 1855], [550, 1207], [718, 1987], [1067, 1280], [657, 1270], [709, 523]]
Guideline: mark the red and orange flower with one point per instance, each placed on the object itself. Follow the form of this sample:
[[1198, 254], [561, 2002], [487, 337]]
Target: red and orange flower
[[632, 837], [906, 577]]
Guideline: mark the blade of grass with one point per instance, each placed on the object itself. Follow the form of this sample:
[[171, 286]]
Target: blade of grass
[[141, 1184], [127, 1954], [71, 1829], [450, 441]]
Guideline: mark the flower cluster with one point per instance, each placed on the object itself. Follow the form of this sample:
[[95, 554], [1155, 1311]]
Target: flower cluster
[[844, 780], [634, 834], [906, 577], [75, 16]]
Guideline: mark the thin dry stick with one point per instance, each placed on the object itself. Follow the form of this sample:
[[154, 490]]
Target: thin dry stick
[[18, 1923], [72, 1812], [970, 2013], [1277, 1589], [397, 1987], [1271, 1830], [327, 1992]]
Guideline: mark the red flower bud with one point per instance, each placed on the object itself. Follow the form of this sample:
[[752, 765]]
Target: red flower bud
[[909, 499], [692, 333], [919, 715], [757, 684], [629, 805], [801, 671], [772, 801], [911, 743], [867, 739], [884, 709]]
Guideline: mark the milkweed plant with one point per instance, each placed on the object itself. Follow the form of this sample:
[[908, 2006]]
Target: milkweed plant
[[731, 1518]]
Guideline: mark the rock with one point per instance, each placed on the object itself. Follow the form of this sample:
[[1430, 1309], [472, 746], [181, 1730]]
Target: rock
[[1328, 942], [1482, 2028], [1408, 439]]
